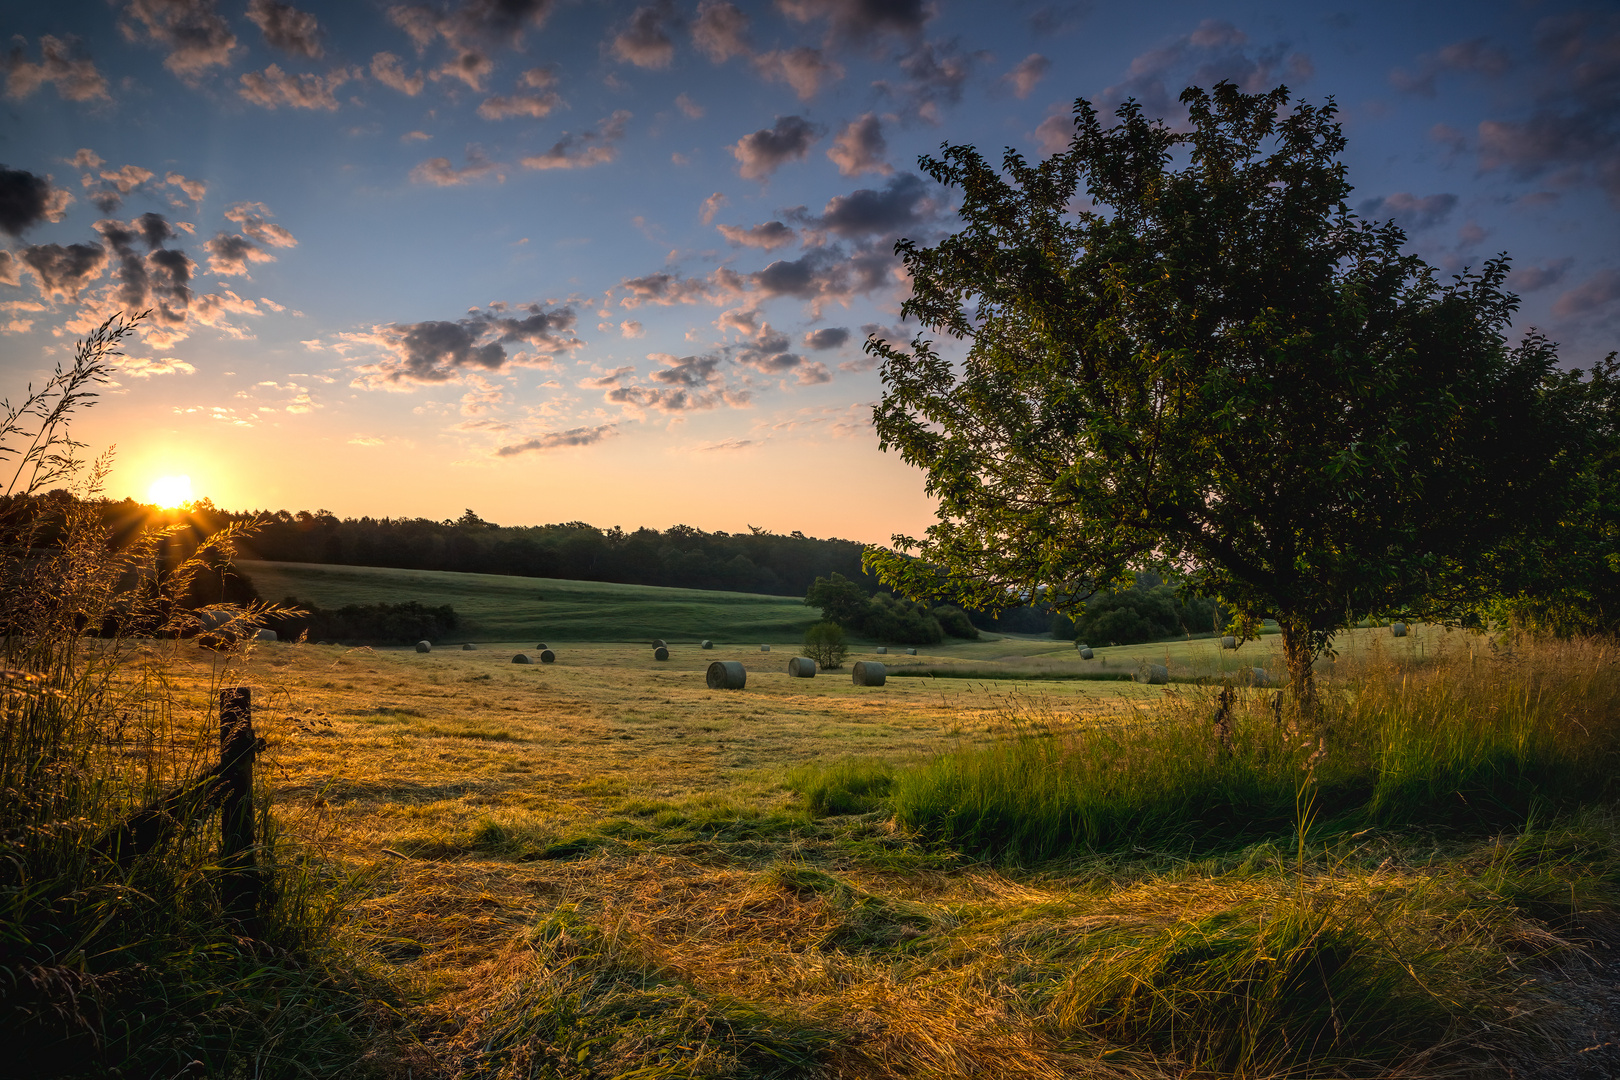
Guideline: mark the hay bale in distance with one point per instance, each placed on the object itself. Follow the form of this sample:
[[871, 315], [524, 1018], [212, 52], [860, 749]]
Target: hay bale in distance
[[869, 673], [661, 653], [469, 647], [911, 652], [707, 644], [1258, 677], [764, 648], [726, 675], [522, 658], [547, 656], [1152, 674], [424, 646], [882, 650], [660, 643], [1086, 653], [265, 635], [1228, 642], [542, 645], [1398, 629], [802, 667]]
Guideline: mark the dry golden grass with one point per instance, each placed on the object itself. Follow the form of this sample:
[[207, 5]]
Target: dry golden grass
[[476, 799]]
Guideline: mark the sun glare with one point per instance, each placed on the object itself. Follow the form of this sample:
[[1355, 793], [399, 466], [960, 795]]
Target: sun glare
[[170, 491]]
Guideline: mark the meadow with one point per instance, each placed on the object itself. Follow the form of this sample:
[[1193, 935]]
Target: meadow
[[601, 868]]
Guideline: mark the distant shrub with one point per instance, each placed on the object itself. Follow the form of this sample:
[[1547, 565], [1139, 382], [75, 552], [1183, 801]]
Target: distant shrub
[[393, 624], [824, 643], [1141, 613], [955, 622], [889, 618]]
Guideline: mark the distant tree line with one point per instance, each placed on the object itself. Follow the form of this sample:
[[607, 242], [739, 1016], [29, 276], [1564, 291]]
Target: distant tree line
[[365, 624]]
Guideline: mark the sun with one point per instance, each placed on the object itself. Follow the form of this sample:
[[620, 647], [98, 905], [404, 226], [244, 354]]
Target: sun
[[170, 491]]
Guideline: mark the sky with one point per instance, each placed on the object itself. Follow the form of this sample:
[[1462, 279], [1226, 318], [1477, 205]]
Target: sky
[[615, 262]]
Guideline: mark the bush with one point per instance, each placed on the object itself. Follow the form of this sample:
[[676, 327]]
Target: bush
[[891, 619], [380, 624], [955, 622], [824, 643]]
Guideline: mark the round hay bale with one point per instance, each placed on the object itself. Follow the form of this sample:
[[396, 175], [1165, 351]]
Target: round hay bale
[[707, 644], [882, 650], [424, 646], [1398, 629], [542, 645], [265, 635], [1152, 674], [726, 675], [764, 648], [869, 673], [1228, 642], [660, 643], [547, 656], [1258, 677], [1086, 653], [213, 620], [469, 647], [661, 653], [802, 667], [911, 652], [522, 658]]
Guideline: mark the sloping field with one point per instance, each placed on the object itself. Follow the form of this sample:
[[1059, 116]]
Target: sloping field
[[494, 607]]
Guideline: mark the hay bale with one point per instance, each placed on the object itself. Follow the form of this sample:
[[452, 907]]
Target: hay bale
[[1228, 642], [213, 620], [911, 652], [1258, 677], [548, 657], [469, 647], [1398, 629], [661, 653], [764, 648], [802, 667], [726, 675], [522, 658], [707, 644], [1086, 653], [542, 645], [882, 650], [1152, 674], [265, 635], [869, 673], [424, 646], [660, 643]]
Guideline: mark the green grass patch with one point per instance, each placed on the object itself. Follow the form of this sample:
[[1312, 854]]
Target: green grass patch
[[848, 785]]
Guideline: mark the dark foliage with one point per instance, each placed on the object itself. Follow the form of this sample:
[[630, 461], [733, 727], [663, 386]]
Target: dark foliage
[[367, 624]]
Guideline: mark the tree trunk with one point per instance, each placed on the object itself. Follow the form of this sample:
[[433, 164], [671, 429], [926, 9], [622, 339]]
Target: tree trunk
[[1300, 654]]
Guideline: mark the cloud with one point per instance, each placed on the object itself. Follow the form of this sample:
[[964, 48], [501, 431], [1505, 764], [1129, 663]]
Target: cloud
[[768, 236], [470, 66], [1054, 19], [768, 149], [904, 203], [802, 68], [387, 69], [1026, 73], [10, 269], [689, 108], [210, 309], [530, 103], [831, 337], [27, 200], [1472, 55], [438, 351], [861, 21], [440, 172], [1410, 212], [161, 279], [1530, 278], [64, 272], [555, 440], [85, 158], [119, 183], [1053, 134], [814, 373], [824, 275], [630, 328], [935, 74], [1599, 290], [195, 34], [1216, 50], [685, 384], [472, 22], [230, 254], [60, 64], [286, 28], [711, 206], [721, 31], [145, 367], [250, 217], [583, 149], [645, 40], [195, 190], [365, 440], [274, 87], [1449, 137], [860, 147], [664, 289]]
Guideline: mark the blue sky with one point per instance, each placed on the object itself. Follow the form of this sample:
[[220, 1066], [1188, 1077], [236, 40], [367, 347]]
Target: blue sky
[[615, 262]]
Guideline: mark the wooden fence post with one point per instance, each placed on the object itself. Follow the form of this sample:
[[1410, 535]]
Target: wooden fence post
[[241, 884]]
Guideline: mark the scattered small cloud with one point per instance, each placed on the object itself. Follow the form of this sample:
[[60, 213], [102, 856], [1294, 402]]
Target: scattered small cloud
[[274, 87], [860, 147], [721, 31], [645, 40], [689, 108], [711, 206], [831, 337], [556, 440], [1530, 278], [583, 149], [62, 64], [1598, 291], [387, 69], [768, 149], [1475, 55], [1411, 213], [441, 172], [803, 68], [287, 28], [193, 31], [767, 237], [1026, 74]]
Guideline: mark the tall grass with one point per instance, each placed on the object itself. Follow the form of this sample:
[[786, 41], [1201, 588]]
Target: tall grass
[[1474, 736], [110, 958]]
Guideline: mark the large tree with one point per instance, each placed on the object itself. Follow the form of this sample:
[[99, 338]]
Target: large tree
[[1186, 352]]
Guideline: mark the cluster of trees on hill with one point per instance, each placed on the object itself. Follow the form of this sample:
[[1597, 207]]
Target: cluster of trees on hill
[[365, 624], [1147, 610], [885, 616]]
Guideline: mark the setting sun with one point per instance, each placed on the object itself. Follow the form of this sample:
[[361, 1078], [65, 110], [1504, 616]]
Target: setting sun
[[170, 491]]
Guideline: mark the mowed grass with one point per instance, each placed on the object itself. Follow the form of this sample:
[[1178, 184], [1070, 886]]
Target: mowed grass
[[600, 868]]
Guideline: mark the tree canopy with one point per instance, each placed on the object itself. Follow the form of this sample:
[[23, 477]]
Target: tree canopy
[[1186, 352]]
